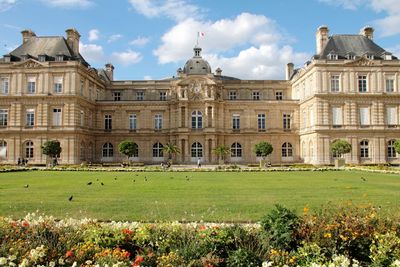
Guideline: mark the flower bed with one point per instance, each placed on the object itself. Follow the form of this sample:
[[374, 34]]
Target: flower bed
[[349, 237]]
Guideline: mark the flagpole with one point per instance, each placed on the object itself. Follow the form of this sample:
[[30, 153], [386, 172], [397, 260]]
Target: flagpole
[[197, 41]]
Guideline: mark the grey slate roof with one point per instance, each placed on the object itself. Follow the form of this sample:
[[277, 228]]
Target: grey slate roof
[[358, 45], [50, 46]]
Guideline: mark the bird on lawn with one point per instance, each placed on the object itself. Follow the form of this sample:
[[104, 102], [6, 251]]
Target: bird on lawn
[[115, 178], [90, 183], [102, 183], [26, 186], [70, 198], [362, 178], [134, 180], [97, 179], [145, 178]]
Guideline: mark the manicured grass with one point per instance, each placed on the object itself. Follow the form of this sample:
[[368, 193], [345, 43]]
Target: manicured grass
[[208, 196]]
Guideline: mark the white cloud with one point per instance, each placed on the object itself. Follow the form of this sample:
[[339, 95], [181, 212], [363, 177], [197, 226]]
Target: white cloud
[[177, 10], [6, 4], [114, 38], [263, 62], [69, 3], [92, 53], [140, 41], [147, 78], [389, 25], [126, 58], [346, 4], [262, 53], [94, 34]]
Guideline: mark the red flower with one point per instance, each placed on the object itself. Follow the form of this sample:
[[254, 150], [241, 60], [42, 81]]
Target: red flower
[[202, 227], [127, 231], [25, 224], [138, 260], [69, 253]]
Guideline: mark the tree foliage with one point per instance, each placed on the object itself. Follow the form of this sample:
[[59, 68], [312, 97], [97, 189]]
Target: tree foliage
[[51, 148], [340, 147], [221, 151], [171, 149], [263, 149], [127, 148], [397, 146]]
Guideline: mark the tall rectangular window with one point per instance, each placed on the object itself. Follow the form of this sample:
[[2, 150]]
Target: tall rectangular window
[[117, 96], [107, 122], [362, 83], [256, 95], [82, 118], [58, 84], [279, 95], [335, 83], [236, 122], [163, 96], [391, 116], [232, 95], [57, 116], [158, 122], [31, 85], [140, 96], [286, 121], [364, 116], [3, 117], [389, 85], [82, 87], [337, 117], [4, 86], [261, 122], [132, 122], [30, 117]]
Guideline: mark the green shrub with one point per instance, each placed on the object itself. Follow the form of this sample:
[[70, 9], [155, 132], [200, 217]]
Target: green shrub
[[243, 258], [280, 225]]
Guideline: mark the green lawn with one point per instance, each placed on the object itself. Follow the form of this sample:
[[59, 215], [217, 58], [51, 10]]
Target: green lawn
[[208, 196]]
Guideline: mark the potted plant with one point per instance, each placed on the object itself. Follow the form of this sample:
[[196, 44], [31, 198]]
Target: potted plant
[[338, 149]]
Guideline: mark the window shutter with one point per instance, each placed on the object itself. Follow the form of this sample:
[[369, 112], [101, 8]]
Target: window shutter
[[337, 116], [391, 116], [364, 116]]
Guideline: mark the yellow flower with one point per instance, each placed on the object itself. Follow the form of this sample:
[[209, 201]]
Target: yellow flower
[[306, 210], [327, 235]]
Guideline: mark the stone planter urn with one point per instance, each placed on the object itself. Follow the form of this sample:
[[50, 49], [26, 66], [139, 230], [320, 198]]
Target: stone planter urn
[[339, 163]]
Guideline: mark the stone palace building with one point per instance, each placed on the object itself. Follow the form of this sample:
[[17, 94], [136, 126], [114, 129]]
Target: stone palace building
[[350, 89]]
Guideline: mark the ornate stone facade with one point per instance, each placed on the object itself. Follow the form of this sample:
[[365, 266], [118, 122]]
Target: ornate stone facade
[[48, 91]]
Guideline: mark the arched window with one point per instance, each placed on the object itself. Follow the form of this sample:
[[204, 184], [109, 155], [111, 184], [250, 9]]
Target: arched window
[[3, 149], [236, 150], [136, 154], [287, 150], [197, 150], [364, 149], [29, 149], [158, 150], [108, 150], [391, 151], [197, 120]]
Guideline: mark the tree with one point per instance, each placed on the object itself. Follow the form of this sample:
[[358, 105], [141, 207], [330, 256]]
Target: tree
[[52, 148], [128, 148], [171, 149], [221, 151], [397, 146], [340, 147], [263, 149]]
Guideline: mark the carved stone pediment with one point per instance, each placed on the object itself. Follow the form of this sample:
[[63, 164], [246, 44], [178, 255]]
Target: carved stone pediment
[[360, 62], [29, 64]]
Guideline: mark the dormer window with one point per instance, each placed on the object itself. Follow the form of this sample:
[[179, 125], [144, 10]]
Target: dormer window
[[25, 57], [350, 56], [42, 58], [387, 56], [370, 56], [60, 58], [7, 58], [332, 56]]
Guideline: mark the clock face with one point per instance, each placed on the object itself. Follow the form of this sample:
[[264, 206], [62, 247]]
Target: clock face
[[197, 88]]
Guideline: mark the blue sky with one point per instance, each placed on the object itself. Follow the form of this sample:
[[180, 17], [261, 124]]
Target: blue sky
[[147, 39]]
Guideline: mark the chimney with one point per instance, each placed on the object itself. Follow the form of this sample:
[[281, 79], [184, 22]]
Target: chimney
[[218, 72], [322, 37], [73, 40], [27, 35], [110, 71], [289, 70], [368, 32]]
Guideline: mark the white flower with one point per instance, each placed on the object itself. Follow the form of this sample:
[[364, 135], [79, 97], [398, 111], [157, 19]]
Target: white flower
[[3, 261], [267, 264], [396, 263], [61, 261], [74, 264], [24, 263], [52, 264]]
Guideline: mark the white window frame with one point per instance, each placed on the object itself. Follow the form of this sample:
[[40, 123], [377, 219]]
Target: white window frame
[[261, 121], [286, 117], [158, 122], [57, 117], [236, 150], [31, 85], [236, 122], [3, 117], [132, 122], [365, 116], [30, 118], [337, 117], [107, 122], [256, 95], [163, 95], [117, 95], [232, 95], [389, 85], [5, 86], [335, 83], [139, 96], [391, 150], [362, 83], [278, 95], [58, 84], [392, 116], [364, 149]]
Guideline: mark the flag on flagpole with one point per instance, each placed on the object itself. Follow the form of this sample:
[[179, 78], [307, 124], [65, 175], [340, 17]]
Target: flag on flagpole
[[200, 34]]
